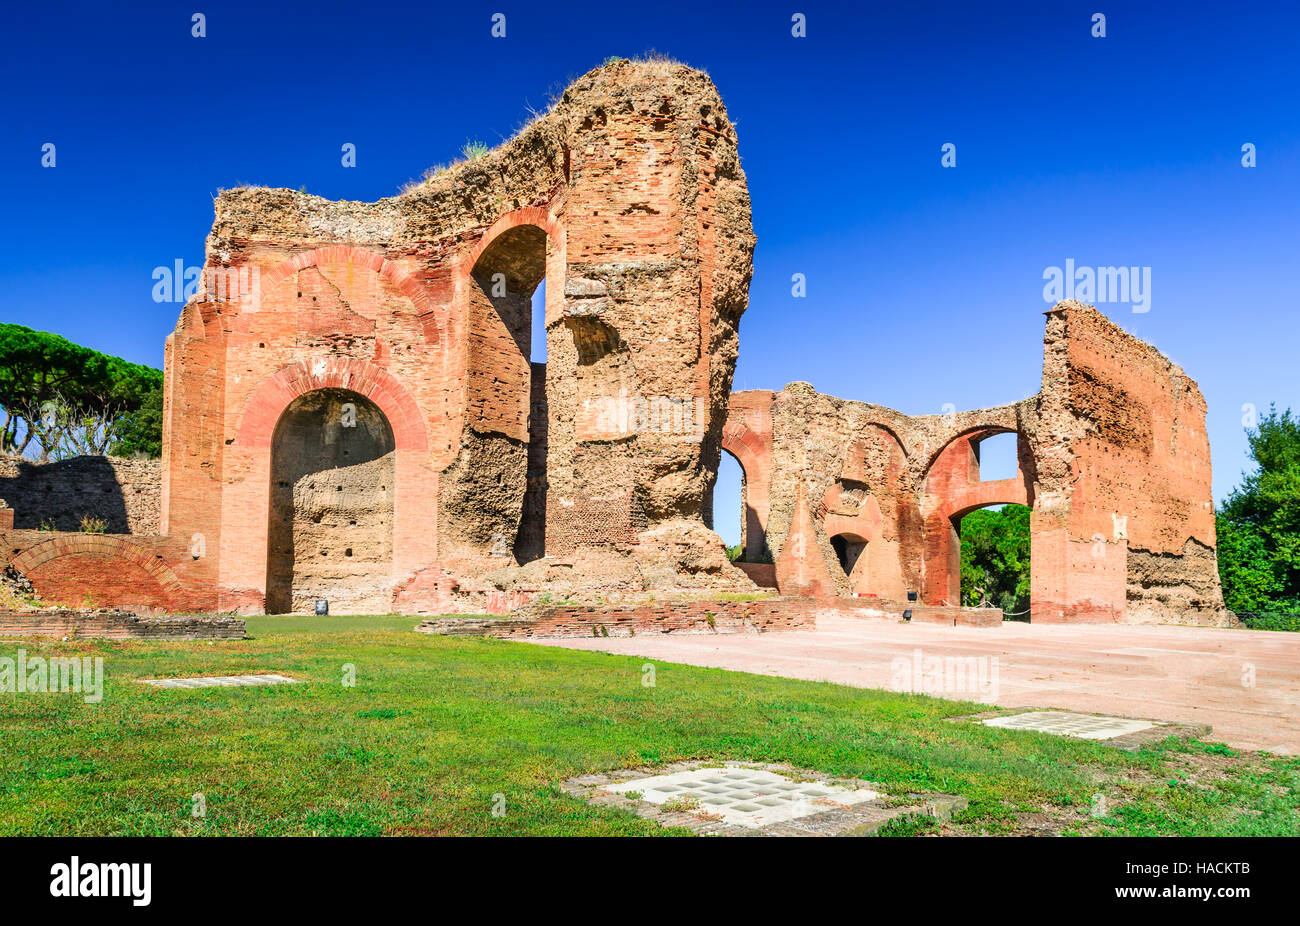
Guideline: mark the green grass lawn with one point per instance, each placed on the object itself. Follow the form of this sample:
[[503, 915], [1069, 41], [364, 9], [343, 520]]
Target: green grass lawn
[[436, 727]]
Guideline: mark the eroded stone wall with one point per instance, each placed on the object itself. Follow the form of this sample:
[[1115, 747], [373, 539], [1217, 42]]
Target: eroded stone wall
[[1113, 459], [628, 199], [503, 479], [125, 494]]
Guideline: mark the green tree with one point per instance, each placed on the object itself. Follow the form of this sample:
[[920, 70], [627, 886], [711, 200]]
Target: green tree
[[139, 432], [995, 558], [59, 399], [1259, 524]]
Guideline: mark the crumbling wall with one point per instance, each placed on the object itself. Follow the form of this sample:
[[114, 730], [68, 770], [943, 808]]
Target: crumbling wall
[[125, 494], [1113, 459], [1140, 478], [628, 198]]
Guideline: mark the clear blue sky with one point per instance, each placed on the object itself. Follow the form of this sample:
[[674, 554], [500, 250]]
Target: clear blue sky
[[924, 283]]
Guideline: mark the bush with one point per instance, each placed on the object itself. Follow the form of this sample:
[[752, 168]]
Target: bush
[[1266, 620]]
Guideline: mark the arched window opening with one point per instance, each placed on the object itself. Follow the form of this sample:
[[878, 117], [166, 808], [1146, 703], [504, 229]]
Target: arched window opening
[[851, 554], [507, 389], [997, 455]]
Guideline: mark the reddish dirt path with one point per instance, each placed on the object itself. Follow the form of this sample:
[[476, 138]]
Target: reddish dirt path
[[1186, 674]]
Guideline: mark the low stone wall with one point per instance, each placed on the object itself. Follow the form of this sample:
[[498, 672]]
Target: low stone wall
[[886, 609], [683, 617], [117, 625], [126, 494], [764, 615], [958, 617]]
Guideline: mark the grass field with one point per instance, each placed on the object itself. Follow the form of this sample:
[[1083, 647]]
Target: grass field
[[434, 728]]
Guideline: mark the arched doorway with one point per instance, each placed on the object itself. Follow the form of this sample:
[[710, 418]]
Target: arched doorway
[[851, 552], [962, 479], [994, 551], [508, 409], [725, 512], [330, 530]]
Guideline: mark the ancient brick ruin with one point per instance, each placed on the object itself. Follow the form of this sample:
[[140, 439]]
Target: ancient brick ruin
[[1113, 459], [352, 411]]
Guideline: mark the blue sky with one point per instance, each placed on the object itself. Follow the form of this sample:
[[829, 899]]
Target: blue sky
[[924, 283]]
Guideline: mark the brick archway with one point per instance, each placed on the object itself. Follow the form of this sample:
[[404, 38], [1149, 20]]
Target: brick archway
[[246, 502], [953, 489], [528, 215], [269, 400], [755, 459], [103, 545], [507, 405]]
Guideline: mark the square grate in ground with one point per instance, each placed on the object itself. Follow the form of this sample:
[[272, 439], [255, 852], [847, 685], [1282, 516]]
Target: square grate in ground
[[745, 796]]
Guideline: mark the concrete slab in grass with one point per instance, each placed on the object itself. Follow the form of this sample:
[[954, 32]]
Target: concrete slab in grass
[[221, 681], [1129, 733], [753, 799]]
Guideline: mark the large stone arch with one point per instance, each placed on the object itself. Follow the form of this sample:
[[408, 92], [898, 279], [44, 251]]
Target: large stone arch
[[497, 504], [755, 459], [951, 489], [269, 400], [330, 528], [246, 499]]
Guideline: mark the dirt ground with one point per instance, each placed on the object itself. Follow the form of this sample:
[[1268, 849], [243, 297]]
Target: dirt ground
[[1244, 683]]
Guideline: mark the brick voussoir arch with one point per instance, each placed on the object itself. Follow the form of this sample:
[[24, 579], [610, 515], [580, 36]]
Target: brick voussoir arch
[[527, 215], [1000, 492], [986, 429], [966, 497], [343, 253], [747, 447], [434, 317], [98, 544], [268, 402]]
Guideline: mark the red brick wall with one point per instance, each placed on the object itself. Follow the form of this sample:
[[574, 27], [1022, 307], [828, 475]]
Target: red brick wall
[[97, 570], [761, 574], [386, 299], [1113, 458]]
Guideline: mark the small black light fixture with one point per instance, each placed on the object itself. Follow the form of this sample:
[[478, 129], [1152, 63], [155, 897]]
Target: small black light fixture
[[911, 596], [322, 606], [907, 615]]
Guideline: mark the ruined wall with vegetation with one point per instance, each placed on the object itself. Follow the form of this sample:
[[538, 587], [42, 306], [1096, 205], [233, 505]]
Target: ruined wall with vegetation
[[502, 478], [1113, 459]]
